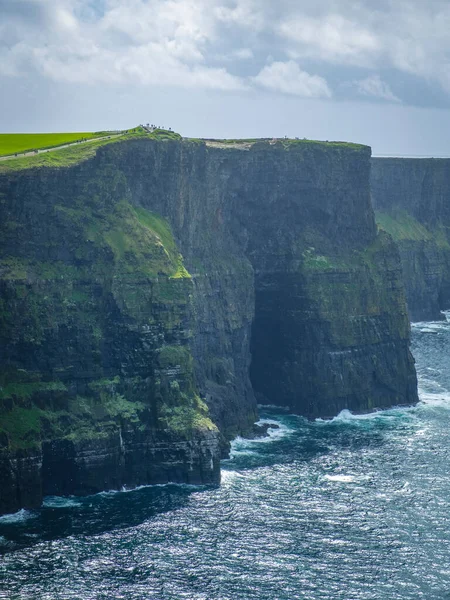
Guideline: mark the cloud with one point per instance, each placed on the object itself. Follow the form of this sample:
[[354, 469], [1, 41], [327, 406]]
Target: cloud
[[222, 44], [377, 88], [159, 42], [243, 53], [409, 36], [288, 78], [247, 14], [332, 38]]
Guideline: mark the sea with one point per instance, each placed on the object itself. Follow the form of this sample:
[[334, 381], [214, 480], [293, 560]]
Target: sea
[[353, 508]]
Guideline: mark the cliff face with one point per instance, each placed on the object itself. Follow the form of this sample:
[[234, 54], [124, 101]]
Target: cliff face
[[330, 329], [412, 202], [159, 275], [97, 376]]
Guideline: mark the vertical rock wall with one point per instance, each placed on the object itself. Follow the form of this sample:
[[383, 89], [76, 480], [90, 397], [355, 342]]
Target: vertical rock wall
[[412, 202], [159, 276]]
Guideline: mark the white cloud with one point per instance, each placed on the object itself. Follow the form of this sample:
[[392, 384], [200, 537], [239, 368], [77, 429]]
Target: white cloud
[[377, 88], [332, 38], [288, 78], [248, 14], [243, 53], [160, 42], [221, 43], [410, 36]]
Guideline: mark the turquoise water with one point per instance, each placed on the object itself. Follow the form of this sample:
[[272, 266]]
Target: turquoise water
[[354, 508]]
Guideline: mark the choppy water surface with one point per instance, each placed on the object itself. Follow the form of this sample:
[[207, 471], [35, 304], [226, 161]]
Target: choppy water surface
[[354, 508]]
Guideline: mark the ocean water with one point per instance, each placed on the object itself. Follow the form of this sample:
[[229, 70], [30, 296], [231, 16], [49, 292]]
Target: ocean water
[[355, 508]]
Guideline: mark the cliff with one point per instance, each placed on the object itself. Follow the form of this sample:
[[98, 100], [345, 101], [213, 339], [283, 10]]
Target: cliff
[[412, 202], [148, 292]]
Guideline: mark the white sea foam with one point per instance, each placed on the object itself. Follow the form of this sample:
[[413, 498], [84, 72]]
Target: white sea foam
[[279, 430], [61, 502], [237, 450], [340, 478], [405, 490], [17, 517], [228, 476], [436, 399], [126, 490], [248, 447], [431, 326], [346, 416]]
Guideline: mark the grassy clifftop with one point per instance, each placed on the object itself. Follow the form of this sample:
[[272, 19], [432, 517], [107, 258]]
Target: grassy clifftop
[[53, 153], [286, 142], [11, 143], [56, 156]]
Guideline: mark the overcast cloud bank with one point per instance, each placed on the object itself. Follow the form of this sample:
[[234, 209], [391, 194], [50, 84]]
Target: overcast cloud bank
[[391, 52]]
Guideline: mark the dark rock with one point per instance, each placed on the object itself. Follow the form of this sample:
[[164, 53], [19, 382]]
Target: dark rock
[[412, 202], [110, 341], [261, 430]]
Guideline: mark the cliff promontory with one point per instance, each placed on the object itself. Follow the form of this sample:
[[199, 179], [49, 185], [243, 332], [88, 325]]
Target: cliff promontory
[[412, 202], [151, 293]]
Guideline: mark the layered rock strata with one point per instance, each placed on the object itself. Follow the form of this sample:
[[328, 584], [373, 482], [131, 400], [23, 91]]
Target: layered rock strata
[[412, 202], [149, 293]]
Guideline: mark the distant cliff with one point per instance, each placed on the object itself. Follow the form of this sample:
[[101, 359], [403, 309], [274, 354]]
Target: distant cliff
[[150, 292], [411, 198]]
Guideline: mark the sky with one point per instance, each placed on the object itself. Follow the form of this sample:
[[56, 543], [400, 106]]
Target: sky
[[370, 71]]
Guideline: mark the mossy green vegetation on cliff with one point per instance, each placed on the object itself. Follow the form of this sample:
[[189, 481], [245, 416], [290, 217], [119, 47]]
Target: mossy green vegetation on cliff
[[26, 424], [402, 226], [188, 417], [102, 275]]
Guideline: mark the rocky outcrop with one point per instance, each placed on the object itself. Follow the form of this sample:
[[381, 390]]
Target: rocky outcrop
[[149, 292], [412, 202]]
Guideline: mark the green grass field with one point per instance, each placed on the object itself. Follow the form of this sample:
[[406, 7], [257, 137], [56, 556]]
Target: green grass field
[[12, 143], [77, 153]]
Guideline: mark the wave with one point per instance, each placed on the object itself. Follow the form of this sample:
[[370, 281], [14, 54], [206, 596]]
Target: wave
[[347, 417], [279, 430], [228, 475], [444, 321], [435, 399], [18, 517], [431, 326], [61, 502], [127, 490], [247, 447], [340, 478]]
